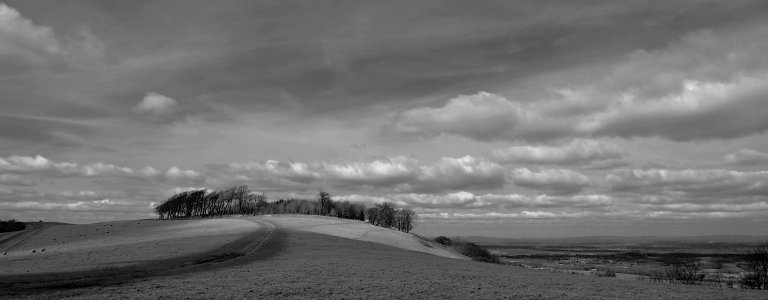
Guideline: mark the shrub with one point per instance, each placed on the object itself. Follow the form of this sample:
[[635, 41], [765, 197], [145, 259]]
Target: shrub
[[445, 241], [686, 273], [756, 276], [474, 251], [607, 273]]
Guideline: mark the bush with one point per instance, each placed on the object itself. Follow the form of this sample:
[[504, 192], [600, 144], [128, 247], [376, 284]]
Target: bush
[[471, 250], [11, 225], [607, 273], [443, 240], [756, 276], [686, 273]]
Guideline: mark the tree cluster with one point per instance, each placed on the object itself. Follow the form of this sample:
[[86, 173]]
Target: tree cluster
[[388, 216], [323, 206], [11, 225], [205, 203], [239, 200]]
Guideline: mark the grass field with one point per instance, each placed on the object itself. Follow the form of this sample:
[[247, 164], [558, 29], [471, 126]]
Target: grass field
[[296, 262]]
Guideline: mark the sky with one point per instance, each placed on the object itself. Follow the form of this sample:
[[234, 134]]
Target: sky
[[489, 118]]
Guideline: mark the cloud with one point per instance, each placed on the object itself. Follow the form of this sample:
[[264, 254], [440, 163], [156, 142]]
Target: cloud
[[504, 202], [746, 157], [703, 184], [178, 175], [556, 181], [20, 39], [391, 171], [688, 115], [41, 166], [676, 93], [482, 116], [156, 105], [460, 173], [400, 174], [15, 180], [369, 199], [460, 199], [104, 205], [501, 215], [710, 208], [577, 152]]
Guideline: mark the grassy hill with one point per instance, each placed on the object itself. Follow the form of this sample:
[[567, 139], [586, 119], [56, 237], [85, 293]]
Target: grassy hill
[[317, 257]]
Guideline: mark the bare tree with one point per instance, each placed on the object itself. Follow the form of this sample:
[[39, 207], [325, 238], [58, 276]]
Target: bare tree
[[325, 203], [386, 214], [404, 220], [757, 268], [686, 273], [373, 216]]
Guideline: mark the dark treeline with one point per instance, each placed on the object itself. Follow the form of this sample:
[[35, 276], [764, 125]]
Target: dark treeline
[[469, 249], [239, 200], [11, 225]]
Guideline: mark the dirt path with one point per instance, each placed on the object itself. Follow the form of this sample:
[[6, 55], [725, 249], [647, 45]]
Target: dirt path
[[264, 242]]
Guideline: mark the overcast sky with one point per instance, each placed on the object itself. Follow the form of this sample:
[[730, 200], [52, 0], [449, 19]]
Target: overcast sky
[[496, 118]]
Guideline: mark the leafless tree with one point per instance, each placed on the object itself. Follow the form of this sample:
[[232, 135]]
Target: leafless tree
[[757, 268], [686, 273]]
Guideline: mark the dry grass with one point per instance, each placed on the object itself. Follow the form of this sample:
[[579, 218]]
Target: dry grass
[[67, 248], [298, 264]]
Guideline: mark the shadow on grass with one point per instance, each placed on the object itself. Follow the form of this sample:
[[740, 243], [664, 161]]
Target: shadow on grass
[[259, 245]]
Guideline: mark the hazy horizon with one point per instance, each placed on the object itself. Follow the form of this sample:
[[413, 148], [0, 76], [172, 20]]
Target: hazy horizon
[[493, 118]]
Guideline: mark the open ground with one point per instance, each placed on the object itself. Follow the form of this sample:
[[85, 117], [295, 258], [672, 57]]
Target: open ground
[[281, 257]]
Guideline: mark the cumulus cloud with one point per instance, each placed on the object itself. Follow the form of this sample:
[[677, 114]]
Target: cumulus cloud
[[746, 157], [460, 173], [505, 202], [369, 199], [27, 201], [576, 152], [156, 105], [45, 167], [103, 205], [176, 174], [689, 114], [707, 85], [400, 174], [483, 116], [20, 38], [556, 181], [536, 214], [391, 171]]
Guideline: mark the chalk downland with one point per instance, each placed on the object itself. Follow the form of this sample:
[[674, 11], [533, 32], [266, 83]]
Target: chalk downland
[[362, 231]]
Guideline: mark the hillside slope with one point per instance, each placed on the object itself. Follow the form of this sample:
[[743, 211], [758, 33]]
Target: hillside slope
[[51, 248], [362, 231], [295, 262]]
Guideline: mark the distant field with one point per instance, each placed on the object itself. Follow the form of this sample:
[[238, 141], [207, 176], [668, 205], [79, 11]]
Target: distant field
[[719, 261], [315, 257]]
